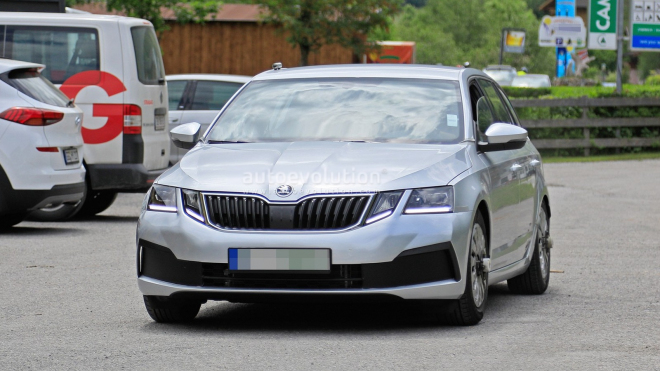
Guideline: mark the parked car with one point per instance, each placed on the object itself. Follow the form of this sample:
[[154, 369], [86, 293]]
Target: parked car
[[112, 67], [502, 74], [40, 144], [349, 182], [198, 98], [531, 81]]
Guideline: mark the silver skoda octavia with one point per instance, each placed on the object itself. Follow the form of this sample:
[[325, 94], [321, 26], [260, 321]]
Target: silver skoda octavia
[[347, 183]]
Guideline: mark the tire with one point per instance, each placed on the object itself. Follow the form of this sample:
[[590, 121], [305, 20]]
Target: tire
[[8, 221], [536, 278], [469, 309], [164, 309], [95, 202]]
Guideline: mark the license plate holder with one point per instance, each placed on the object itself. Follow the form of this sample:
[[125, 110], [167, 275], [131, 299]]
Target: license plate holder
[[159, 122], [71, 156], [279, 260]]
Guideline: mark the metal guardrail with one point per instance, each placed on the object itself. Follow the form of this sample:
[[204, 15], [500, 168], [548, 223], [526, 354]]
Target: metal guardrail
[[586, 122]]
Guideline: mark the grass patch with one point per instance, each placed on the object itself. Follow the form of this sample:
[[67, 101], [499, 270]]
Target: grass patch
[[619, 157]]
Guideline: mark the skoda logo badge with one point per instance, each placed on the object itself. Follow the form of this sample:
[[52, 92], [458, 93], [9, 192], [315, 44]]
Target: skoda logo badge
[[284, 190]]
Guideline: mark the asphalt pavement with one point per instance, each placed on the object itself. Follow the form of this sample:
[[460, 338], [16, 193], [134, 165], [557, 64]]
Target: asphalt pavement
[[69, 300]]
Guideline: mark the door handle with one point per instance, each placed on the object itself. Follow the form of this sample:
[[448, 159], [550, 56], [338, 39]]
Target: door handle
[[535, 162], [516, 167], [174, 120]]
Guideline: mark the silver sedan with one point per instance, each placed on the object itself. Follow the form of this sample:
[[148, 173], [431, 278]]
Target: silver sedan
[[349, 183]]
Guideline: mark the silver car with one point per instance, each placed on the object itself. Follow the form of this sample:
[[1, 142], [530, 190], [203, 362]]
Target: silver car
[[349, 183]]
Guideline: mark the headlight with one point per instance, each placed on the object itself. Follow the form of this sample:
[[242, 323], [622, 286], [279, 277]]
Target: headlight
[[192, 204], [385, 204], [162, 198], [430, 200]]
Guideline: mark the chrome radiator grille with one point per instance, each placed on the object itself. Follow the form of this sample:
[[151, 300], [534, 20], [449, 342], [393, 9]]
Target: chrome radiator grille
[[315, 213], [238, 212], [329, 212]]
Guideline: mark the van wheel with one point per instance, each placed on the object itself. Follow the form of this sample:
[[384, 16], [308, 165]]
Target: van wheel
[[95, 202]]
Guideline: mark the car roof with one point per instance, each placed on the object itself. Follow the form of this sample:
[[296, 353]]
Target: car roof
[[10, 65], [413, 71], [210, 77], [34, 18]]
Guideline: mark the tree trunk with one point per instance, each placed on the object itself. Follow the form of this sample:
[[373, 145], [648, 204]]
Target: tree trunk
[[304, 55]]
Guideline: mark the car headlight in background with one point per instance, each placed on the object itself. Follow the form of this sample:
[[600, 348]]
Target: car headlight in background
[[162, 198], [385, 204], [192, 204], [430, 200]]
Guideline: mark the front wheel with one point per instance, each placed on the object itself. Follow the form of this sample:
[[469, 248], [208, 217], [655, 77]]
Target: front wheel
[[536, 278], [469, 309], [165, 309], [96, 202]]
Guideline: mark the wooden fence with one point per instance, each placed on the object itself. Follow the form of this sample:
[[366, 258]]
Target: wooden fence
[[586, 123]]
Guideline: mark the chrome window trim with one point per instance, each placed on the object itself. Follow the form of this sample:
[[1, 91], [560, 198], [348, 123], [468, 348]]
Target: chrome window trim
[[359, 223]]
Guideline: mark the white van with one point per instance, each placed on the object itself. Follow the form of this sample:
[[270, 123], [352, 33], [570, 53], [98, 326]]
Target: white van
[[112, 67]]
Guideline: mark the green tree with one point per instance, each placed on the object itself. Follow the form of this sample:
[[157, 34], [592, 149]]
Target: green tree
[[310, 24], [184, 10], [453, 32]]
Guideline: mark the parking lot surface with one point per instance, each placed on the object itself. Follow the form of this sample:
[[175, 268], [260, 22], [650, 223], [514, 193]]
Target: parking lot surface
[[69, 300]]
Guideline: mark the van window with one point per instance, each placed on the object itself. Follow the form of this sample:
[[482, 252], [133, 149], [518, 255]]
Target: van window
[[30, 82], [147, 56], [65, 51]]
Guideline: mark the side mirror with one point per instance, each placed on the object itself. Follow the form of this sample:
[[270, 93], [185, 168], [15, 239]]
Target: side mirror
[[502, 137], [185, 136]]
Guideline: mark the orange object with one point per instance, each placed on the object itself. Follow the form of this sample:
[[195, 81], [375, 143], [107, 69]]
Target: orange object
[[400, 52]]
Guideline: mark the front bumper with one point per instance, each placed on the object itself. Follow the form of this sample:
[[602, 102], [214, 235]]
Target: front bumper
[[402, 256]]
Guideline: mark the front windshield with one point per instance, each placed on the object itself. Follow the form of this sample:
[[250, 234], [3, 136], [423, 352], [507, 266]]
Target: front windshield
[[344, 109]]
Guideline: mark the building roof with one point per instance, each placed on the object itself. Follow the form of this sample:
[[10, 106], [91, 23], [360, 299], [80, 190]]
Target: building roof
[[226, 13]]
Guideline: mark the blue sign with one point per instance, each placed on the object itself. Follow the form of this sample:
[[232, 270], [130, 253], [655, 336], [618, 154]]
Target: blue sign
[[564, 8]]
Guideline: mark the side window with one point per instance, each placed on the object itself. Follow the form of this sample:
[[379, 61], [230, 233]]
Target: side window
[[481, 111], [65, 51], [499, 110], [212, 95], [175, 91], [512, 112]]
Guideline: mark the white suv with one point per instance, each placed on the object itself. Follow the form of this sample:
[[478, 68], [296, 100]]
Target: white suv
[[40, 144]]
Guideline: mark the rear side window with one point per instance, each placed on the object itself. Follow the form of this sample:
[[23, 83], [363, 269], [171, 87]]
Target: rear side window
[[147, 56], [30, 82], [65, 51], [212, 95], [175, 91]]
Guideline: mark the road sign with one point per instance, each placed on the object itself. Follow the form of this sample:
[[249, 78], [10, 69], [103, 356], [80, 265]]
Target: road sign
[[562, 32], [602, 24], [645, 25], [513, 40]]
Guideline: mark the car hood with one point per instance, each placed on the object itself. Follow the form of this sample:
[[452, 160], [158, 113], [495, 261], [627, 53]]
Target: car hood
[[316, 167]]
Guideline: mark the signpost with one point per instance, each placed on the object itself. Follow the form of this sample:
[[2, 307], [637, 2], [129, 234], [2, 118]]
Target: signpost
[[513, 41], [562, 32], [602, 24], [645, 25]]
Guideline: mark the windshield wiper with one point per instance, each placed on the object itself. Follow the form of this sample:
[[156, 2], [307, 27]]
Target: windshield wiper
[[357, 141], [225, 141]]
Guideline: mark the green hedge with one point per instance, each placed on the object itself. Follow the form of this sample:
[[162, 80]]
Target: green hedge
[[629, 91]]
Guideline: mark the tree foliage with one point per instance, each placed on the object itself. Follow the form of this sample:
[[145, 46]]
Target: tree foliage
[[310, 24], [184, 10], [452, 32]]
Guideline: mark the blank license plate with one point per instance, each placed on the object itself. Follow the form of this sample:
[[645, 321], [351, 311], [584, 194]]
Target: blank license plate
[[280, 260], [71, 156], [159, 123]]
